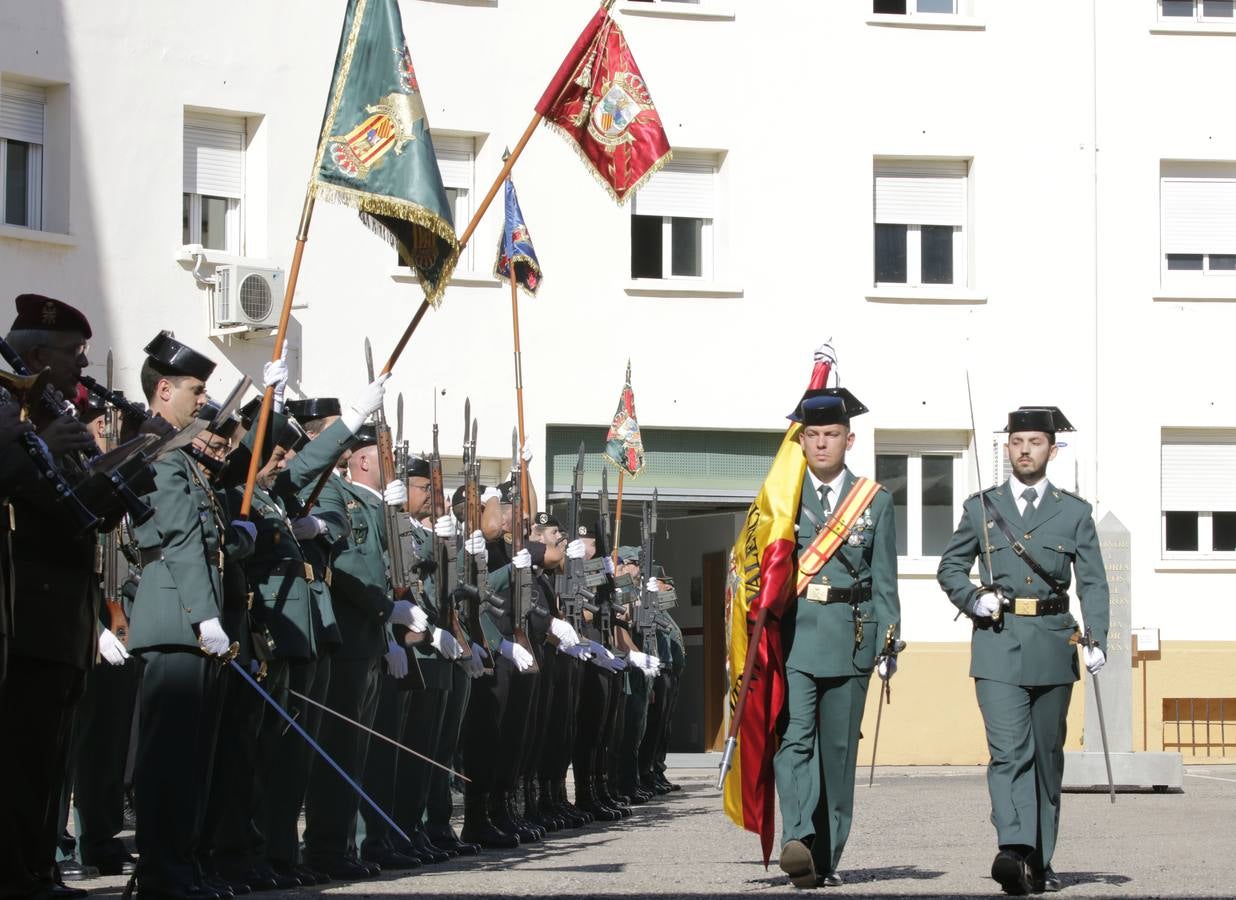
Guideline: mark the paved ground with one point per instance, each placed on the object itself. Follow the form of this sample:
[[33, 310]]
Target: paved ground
[[918, 832]]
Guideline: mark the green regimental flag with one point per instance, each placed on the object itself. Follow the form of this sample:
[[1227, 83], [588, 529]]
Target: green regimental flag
[[375, 152]]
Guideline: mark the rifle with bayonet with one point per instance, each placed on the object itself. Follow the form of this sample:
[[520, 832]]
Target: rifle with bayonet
[[521, 579], [444, 551], [393, 520], [605, 592], [646, 615], [112, 561], [472, 587], [576, 585]]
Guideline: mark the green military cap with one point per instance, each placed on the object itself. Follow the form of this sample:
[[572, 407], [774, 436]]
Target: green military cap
[[628, 554]]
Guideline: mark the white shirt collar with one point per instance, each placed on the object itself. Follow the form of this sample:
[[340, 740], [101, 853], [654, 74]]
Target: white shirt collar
[[834, 485], [1017, 488], [366, 487]]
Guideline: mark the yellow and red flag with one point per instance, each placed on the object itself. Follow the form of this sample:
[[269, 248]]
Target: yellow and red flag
[[600, 103], [762, 575]]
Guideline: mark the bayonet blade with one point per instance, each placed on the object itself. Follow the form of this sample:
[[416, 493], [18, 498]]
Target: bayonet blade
[[399, 419], [579, 471], [109, 368], [369, 359], [653, 519]]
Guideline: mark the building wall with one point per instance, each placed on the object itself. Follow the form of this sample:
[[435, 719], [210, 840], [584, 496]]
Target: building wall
[[1063, 109]]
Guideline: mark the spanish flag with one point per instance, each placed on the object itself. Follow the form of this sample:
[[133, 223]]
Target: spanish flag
[[762, 572]]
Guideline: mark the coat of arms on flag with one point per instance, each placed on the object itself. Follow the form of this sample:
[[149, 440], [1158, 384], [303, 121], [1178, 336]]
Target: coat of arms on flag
[[515, 247], [375, 152], [623, 445]]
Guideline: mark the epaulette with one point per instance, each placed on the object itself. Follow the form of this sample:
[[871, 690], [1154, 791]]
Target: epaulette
[[983, 491], [1071, 494]]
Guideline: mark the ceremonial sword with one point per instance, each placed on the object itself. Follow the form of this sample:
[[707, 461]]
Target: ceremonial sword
[[890, 651], [991, 576], [1088, 641]]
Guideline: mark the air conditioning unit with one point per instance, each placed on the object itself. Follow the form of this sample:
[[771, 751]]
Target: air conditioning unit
[[246, 297]]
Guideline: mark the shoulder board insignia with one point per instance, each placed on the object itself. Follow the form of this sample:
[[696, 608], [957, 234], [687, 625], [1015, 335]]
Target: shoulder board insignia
[[983, 491], [1061, 490]]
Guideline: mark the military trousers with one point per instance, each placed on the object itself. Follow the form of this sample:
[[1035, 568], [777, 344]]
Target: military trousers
[[673, 685], [36, 710], [101, 729], [331, 803], [815, 764], [595, 689], [654, 729], [286, 759], [230, 838], [439, 805], [422, 732], [381, 762], [634, 724], [176, 743], [1025, 735]]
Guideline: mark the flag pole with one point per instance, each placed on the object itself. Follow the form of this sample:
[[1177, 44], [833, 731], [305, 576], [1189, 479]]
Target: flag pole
[[618, 516], [519, 383], [302, 235], [467, 235], [731, 741]]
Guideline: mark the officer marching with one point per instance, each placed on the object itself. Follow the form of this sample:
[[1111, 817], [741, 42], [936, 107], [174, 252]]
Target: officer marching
[[1030, 537], [832, 636]]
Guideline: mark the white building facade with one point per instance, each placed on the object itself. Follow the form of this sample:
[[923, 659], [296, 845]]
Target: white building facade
[[1043, 196]]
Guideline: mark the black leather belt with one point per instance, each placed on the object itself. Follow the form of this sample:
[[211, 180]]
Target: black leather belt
[[148, 555], [1033, 606], [853, 595]]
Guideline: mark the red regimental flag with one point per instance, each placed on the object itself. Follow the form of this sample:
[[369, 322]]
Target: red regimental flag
[[599, 102]]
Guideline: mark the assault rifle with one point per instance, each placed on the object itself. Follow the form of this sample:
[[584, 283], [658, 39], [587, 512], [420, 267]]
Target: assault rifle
[[111, 558], [575, 585], [646, 617], [472, 583], [605, 591], [393, 520], [444, 551], [521, 579]]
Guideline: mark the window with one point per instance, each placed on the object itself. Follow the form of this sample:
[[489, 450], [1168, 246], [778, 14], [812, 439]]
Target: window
[[910, 7], [22, 114], [214, 181], [924, 473], [1198, 221], [672, 220], [920, 215], [457, 162], [1198, 492], [1197, 10]]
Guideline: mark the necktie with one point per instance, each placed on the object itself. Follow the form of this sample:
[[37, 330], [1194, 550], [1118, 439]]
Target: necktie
[[824, 489], [1028, 495]]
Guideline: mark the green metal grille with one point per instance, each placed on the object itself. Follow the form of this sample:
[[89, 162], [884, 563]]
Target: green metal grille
[[728, 461]]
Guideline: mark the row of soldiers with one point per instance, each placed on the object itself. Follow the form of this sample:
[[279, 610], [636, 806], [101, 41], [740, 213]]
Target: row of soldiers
[[349, 646]]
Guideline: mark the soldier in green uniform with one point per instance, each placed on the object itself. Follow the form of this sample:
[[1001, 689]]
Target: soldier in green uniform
[[643, 666], [53, 630], [176, 629], [1029, 536], [364, 609], [831, 635]]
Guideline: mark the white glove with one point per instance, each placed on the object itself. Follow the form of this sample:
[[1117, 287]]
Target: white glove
[[409, 615], [365, 405], [525, 451], [111, 649], [637, 659], [475, 546], [985, 604], [396, 660], [474, 666], [576, 549], [608, 562], [522, 658], [444, 527], [306, 528], [446, 645], [886, 667], [654, 665], [246, 526], [396, 493], [213, 638], [652, 585], [1094, 658], [522, 559], [490, 493], [562, 630], [275, 374]]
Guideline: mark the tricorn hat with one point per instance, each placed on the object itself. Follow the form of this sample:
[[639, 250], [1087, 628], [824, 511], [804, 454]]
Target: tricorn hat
[[418, 467], [313, 408], [827, 406], [365, 436], [170, 357], [1048, 419]]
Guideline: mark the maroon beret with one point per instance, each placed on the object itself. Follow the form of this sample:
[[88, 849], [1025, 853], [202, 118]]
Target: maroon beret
[[38, 313]]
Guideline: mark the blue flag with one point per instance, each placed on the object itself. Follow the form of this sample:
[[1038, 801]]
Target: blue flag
[[515, 246]]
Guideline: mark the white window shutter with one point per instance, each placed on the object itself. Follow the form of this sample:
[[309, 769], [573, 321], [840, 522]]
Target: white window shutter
[[21, 112], [456, 158], [214, 155], [1199, 215], [686, 187], [920, 192], [1197, 468]]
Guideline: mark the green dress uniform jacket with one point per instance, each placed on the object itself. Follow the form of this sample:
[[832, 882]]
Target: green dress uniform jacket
[[282, 600], [1061, 537], [177, 590], [820, 638], [418, 546], [360, 588]]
